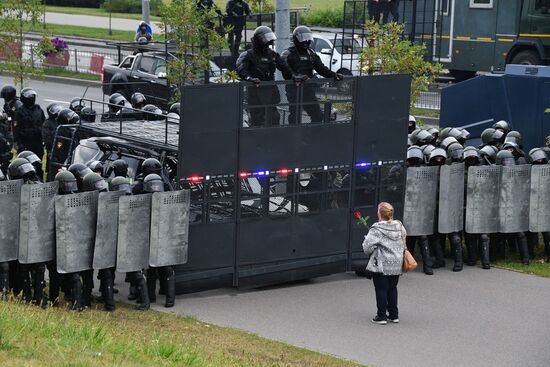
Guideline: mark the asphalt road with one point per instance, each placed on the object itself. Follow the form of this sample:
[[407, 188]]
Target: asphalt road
[[119, 24], [473, 318]]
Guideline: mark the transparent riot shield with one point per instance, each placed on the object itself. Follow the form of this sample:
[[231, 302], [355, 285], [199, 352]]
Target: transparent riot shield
[[451, 198], [515, 185], [539, 207], [420, 200], [134, 221], [10, 196], [482, 208], [106, 230]]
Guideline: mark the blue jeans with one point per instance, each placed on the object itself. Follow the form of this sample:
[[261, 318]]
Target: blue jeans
[[385, 287]]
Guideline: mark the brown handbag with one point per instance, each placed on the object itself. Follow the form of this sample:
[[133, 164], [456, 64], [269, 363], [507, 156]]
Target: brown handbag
[[409, 263]]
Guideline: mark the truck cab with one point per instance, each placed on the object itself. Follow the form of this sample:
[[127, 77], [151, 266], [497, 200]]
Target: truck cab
[[532, 46]]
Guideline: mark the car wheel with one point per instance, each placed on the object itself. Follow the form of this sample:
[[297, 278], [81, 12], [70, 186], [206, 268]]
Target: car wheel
[[527, 57]]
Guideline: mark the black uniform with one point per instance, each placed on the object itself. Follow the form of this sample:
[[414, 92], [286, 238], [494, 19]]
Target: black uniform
[[304, 62], [27, 131], [259, 64], [237, 11], [6, 144], [391, 7]]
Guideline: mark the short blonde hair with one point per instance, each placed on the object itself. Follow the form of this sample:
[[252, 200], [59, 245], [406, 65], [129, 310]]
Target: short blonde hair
[[385, 211]]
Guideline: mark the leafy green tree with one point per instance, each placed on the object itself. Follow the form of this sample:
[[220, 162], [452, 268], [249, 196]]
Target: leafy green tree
[[15, 17], [192, 33], [389, 53], [261, 6]]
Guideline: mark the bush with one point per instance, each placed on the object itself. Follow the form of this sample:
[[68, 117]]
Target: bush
[[131, 6], [330, 17], [78, 3]]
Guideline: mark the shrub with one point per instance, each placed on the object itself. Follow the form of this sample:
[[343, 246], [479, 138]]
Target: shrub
[[329, 17]]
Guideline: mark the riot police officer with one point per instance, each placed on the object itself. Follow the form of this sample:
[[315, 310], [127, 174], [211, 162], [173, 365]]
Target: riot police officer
[[27, 128], [49, 127], [119, 168], [175, 108], [4, 267], [538, 156], [61, 143], [237, 11], [138, 100], [149, 166], [438, 157], [96, 167], [415, 158], [11, 104], [256, 65], [79, 170], [151, 184], [475, 242], [302, 61], [32, 158]]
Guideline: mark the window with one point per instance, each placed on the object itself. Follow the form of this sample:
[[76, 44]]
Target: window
[[127, 63], [160, 67], [321, 44], [482, 4], [146, 65], [542, 7]]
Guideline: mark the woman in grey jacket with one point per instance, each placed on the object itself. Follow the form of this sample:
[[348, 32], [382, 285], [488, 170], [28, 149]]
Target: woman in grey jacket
[[384, 244]]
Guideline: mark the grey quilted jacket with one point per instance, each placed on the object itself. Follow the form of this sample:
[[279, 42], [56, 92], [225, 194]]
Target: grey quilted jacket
[[387, 238]]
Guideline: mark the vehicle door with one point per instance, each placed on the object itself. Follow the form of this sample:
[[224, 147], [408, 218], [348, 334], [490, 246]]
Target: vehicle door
[[159, 83], [324, 49], [144, 77], [539, 20]]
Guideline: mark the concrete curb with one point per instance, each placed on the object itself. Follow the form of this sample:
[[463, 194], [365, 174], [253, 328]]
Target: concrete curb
[[61, 80]]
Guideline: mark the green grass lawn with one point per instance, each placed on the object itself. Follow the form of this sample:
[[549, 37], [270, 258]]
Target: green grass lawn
[[94, 11], [538, 266], [30, 336], [89, 32], [70, 74]]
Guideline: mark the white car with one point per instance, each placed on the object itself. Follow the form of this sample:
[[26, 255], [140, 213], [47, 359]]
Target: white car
[[338, 53]]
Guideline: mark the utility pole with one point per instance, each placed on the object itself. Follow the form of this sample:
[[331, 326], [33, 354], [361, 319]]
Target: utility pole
[[282, 25], [145, 10]]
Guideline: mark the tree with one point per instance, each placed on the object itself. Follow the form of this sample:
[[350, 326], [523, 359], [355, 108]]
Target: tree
[[192, 33], [261, 6], [15, 17], [388, 53]]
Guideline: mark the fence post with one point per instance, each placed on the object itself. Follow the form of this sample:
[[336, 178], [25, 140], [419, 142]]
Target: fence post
[[32, 57], [75, 60]]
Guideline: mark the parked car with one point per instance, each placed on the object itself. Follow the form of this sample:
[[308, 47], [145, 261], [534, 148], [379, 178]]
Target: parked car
[[339, 53]]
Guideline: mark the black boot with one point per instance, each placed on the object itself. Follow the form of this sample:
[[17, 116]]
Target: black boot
[[435, 246], [54, 286], [76, 290], [39, 284], [169, 279], [4, 281], [144, 303], [25, 282], [485, 251], [532, 242], [426, 258], [152, 276], [456, 248], [87, 287], [471, 246], [523, 248], [107, 291], [546, 239]]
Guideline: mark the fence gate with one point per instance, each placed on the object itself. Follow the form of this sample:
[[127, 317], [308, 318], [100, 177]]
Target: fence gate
[[276, 172]]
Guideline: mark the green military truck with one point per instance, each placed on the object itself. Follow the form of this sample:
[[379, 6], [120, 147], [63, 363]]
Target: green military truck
[[468, 36]]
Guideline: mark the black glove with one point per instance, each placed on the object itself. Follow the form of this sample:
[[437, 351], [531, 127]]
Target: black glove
[[299, 78], [339, 77], [254, 80]]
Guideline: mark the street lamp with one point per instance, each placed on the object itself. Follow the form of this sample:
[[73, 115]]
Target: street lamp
[[110, 13]]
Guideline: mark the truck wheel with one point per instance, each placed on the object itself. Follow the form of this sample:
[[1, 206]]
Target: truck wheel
[[527, 57], [462, 75]]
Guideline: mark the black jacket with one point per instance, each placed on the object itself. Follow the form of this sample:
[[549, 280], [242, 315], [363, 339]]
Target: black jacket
[[304, 62], [27, 128], [48, 132], [261, 64], [236, 12]]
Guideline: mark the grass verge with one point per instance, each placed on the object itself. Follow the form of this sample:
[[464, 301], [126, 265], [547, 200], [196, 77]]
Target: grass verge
[[538, 266], [99, 12], [88, 32], [424, 112], [70, 74], [31, 336]]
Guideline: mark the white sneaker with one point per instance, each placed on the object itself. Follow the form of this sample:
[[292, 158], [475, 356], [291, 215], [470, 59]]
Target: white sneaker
[[394, 321]]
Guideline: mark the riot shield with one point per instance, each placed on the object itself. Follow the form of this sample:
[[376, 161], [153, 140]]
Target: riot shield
[[10, 195], [451, 198], [37, 223], [420, 200], [75, 225], [482, 199], [134, 221], [539, 208], [515, 185], [106, 230], [169, 228]]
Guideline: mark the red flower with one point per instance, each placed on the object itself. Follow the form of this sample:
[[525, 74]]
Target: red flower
[[357, 214]]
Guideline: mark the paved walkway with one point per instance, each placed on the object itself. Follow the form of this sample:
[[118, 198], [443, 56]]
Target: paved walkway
[[473, 318], [118, 24]]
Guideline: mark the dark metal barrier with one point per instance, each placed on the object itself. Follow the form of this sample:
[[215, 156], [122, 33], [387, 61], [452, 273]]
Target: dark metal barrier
[[276, 172]]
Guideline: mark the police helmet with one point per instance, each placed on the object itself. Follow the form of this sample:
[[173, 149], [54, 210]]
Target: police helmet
[[153, 183], [514, 136], [538, 156], [120, 168], [423, 137], [120, 184], [434, 131], [77, 104], [455, 133], [79, 170], [173, 117], [514, 148], [490, 136], [92, 181], [302, 37], [96, 166], [415, 156], [149, 166], [53, 110], [31, 157], [444, 133], [67, 182], [152, 113], [175, 108], [116, 101], [438, 156], [8, 92], [138, 100], [2, 177], [447, 142], [20, 167], [88, 115], [263, 36], [489, 152], [412, 123], [505, 158], [68, 117], [28, 97], [427, 150], [471, 156], [455, 152], [464, 135], [503, 126]]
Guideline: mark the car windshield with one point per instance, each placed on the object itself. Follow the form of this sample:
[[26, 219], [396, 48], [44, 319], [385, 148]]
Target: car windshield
[[84, 154], [215, 69], [350, 46]]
